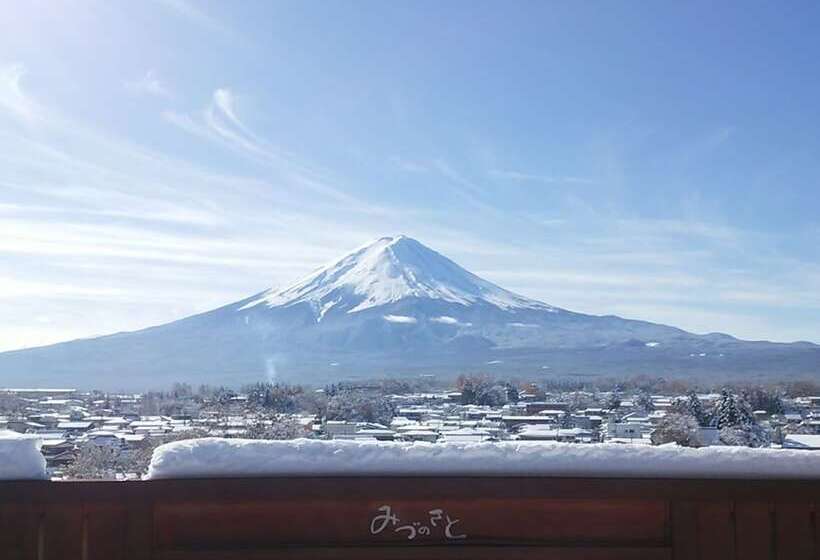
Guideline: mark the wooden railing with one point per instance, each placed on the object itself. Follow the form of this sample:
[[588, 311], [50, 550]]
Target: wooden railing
[[409, 518]]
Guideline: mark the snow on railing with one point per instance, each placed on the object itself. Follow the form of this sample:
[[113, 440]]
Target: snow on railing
[[20, 457], [215, 457]]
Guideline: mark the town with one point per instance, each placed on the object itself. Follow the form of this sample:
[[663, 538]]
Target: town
[[96, 435]]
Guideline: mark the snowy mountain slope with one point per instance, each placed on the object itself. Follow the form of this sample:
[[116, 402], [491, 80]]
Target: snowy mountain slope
[[393, 307], [387, 271]]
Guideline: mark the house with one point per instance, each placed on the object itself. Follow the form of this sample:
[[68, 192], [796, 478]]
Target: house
[[338, 428], [377, 434], [102, 438], [74, 428], [419, 435], [549, 433], [25, 426], [537, 407], [709, 436], [513, 421], [626, 430], [417, 414], [801, 441], [131, 440], [467, 435], [52, 447]]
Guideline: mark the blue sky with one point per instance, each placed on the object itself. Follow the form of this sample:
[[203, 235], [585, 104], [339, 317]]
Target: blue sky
[[652, 160]]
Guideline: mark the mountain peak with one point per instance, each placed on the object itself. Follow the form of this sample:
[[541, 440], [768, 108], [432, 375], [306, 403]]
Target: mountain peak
[[386, 271]]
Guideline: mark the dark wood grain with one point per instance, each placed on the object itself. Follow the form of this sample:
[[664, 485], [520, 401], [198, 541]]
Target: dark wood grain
[[427, 553], [63, 532], [795, 531], [754, 531], [684, 530], [329, 517], [715, 531]]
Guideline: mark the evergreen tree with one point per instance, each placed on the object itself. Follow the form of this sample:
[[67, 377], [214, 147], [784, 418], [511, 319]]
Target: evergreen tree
[[726, 412], [512, 393], [468, 393], [737, 424], [695, 408]]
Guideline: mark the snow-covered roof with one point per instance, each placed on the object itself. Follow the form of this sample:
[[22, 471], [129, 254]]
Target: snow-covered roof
[[74, 425], [375, 432], [802, 441], [213, 457]]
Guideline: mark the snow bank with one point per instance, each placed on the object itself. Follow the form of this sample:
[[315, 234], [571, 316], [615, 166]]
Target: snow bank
[[214, 457], [20, 457]]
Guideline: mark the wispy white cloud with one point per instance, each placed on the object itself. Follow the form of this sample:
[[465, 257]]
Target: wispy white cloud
[[537, 178], [13, 98], [410, 166], [220, 122], [188, 11], [15, 288], [465, 187], [149, 84]]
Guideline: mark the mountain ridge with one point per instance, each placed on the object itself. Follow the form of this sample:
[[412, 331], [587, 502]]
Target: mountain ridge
[[394, 307]]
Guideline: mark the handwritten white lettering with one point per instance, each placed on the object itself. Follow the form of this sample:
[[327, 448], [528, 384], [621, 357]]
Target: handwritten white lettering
[[439, 523]]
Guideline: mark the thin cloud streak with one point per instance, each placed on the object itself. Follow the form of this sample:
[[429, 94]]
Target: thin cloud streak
[[220, 123], [189, 12], [13, 99], [149, 84], [536, 178]]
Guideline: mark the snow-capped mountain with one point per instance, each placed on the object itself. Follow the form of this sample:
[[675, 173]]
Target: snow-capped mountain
[[393, 307], [387, 271]]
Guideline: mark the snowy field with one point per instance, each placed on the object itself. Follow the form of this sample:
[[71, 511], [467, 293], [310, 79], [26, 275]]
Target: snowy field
[[215, 457], [20, 457]]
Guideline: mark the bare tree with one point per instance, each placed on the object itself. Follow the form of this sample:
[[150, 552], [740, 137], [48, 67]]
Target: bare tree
[[94, 462]]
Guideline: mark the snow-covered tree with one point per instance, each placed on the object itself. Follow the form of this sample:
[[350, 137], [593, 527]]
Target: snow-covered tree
[[732, 411], [481, 390], [495, 395], [737, 423], [278, 426], [695, 408], [579, 400], [612, 401], [682, 429], [472, 387], [644, 400], [11, 405], [277, 397], [747, 435], [359, 406], [512, 392]]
